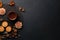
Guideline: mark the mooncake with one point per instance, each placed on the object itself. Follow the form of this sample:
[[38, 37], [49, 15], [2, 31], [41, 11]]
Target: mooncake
[[2, 11], [18, 25], [8, 29], [1, 28], [4, 23]]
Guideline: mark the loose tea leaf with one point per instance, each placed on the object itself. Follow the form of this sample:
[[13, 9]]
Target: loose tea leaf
[[1, 19], [15, 30], [12, 3]]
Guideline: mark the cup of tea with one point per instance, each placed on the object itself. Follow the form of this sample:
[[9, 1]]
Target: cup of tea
[[12, 15]]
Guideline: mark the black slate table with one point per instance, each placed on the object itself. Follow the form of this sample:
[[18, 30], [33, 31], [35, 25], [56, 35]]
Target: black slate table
[[38, 17]]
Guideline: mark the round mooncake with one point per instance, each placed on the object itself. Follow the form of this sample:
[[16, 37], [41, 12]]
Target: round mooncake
[[2, 11], [4, 23], [1, 28], [8, 29]]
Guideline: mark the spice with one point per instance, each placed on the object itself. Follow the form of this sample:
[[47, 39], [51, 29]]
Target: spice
[[0, 37], [15, 30], [7, 35], [1, 19], [15, 33], [3, 37], [21, 9], [16, 37], [11, 3], [5, 32]]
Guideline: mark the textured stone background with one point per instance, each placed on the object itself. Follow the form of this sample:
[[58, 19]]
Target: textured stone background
[[39, 16]]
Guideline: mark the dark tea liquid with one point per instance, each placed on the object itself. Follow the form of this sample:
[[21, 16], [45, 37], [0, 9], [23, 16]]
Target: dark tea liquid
[[12, 15]]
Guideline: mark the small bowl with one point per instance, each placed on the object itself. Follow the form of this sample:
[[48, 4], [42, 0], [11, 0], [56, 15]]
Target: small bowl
[[18, 25], [12, 15]]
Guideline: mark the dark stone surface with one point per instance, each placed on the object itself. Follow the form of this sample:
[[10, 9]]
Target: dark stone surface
[[39, 16]]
